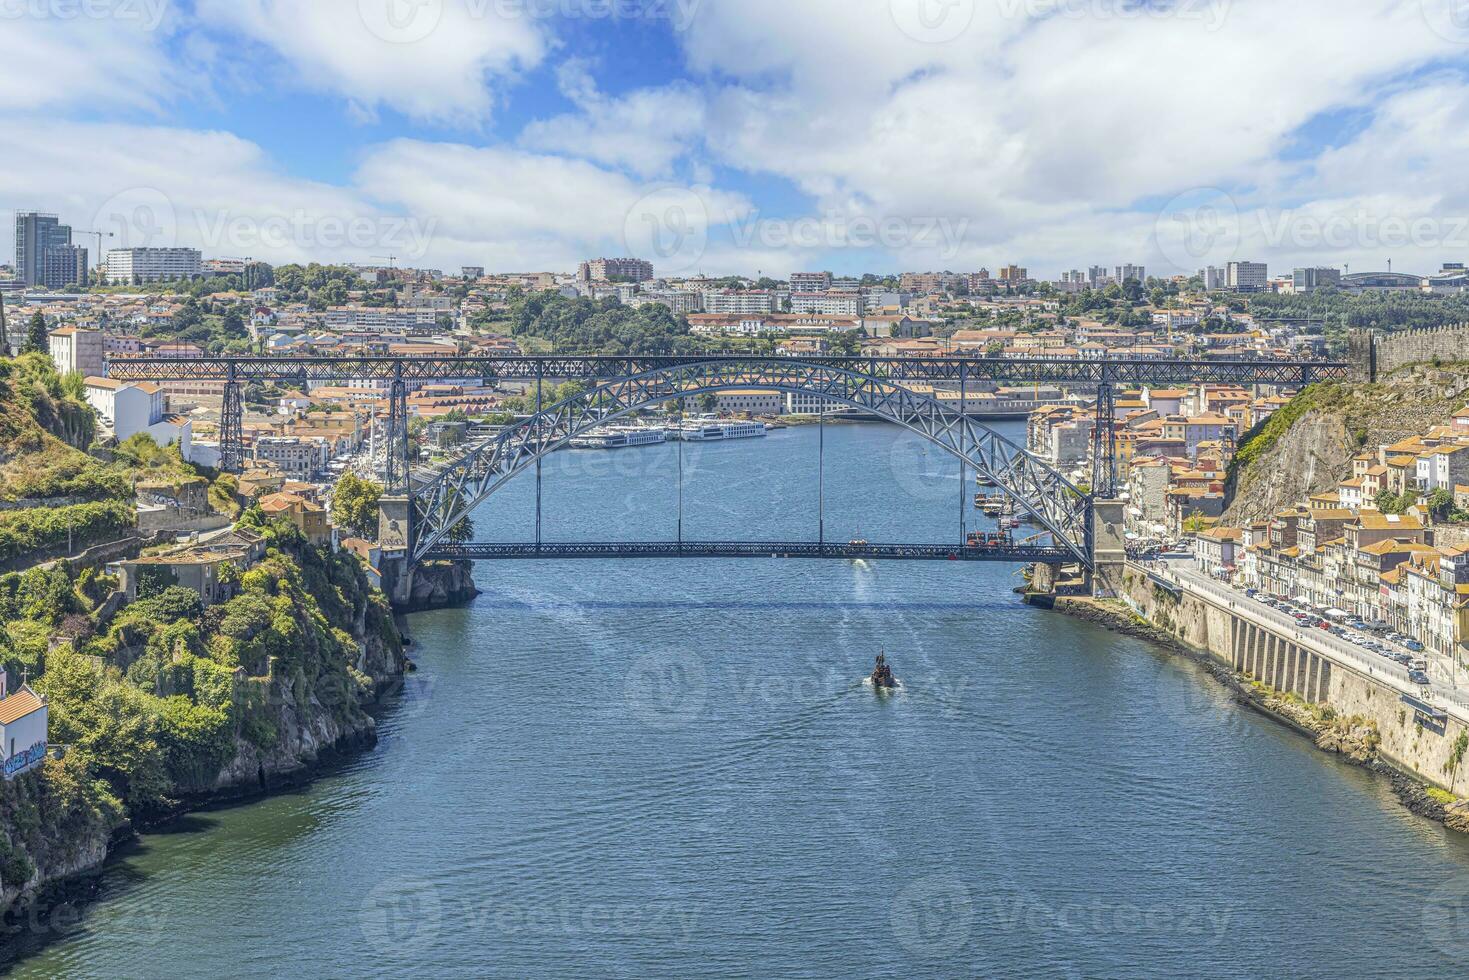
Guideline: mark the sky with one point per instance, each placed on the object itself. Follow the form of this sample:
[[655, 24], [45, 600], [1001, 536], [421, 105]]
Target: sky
[[747, 136]]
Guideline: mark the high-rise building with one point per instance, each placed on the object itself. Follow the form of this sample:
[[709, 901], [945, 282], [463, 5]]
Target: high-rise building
[[1095, 275], [472, 272], [1248, 277], [135, 266], [609, 270], [1214, 278], [1014, 273], [1126, 272], [64, 265], [35, 234]]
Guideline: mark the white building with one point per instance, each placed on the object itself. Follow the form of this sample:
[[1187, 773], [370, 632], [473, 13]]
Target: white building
[[755, 401], [740, 301], [302, 458], [381, 318], [74, 349], [23, 722], [140, 265], [133, 408], [1248, 277], [829, 303]]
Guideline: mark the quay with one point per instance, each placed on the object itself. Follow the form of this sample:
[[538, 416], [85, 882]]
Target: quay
[[1423, 730]]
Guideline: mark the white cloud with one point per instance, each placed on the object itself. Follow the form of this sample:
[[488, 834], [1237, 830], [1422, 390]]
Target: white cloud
[[433, 60], [1043, 123], [430, 204], [50, 63], [510, 209], [644, 131]]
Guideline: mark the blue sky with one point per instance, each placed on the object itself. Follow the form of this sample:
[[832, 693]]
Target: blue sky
[[759, 135]]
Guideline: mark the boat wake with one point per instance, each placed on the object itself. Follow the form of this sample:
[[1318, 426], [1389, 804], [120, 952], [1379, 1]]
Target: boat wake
[[897, 685]]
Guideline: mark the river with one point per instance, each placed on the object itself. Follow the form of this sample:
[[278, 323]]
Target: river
[[673, 769]]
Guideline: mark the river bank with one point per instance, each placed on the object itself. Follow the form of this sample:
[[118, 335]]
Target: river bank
[[1354, 739]]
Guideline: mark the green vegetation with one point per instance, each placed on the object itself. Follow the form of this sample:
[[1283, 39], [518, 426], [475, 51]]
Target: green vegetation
[[1341, 312], [1456, 755], [44, 425], [25, 531], [1262, 438], [1440, 796], [355, 505], [35, 342], [155, 702]]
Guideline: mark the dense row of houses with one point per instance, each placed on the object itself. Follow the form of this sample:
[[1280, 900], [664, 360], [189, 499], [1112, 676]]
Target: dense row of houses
[[1339, 550]]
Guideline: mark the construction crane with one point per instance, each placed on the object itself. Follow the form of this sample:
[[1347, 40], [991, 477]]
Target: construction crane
[[392, 260], [97, 235]]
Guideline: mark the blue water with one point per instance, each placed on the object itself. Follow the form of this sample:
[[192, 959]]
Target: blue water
[[673, 769]]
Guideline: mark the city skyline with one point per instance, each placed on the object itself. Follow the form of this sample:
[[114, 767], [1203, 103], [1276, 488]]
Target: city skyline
[[520, 135]]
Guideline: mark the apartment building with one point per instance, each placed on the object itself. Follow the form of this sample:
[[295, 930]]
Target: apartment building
[[1247, 277], [135, 266], [829, 303], [609, 270]]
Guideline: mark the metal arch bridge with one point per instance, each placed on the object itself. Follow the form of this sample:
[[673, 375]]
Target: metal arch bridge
[[873, 384], [398, 373], [438, 504]]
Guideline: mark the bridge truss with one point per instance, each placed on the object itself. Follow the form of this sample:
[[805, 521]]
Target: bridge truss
[[440, 503]]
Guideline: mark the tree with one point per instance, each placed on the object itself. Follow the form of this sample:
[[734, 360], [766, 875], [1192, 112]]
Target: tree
[[461, 532], [36, 335], [355, 504]]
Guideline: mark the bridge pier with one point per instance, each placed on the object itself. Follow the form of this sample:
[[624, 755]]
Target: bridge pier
[[394, 536], [1109, 547]]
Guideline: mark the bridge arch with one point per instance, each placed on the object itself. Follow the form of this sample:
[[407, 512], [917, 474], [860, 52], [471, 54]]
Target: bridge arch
[[1038, 489]]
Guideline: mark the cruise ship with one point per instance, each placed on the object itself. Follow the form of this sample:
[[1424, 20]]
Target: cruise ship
[[716, 430], [620, 437]]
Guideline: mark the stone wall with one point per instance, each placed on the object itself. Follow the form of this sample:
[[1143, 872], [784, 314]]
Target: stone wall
[[1375, 355], [1277, 660]]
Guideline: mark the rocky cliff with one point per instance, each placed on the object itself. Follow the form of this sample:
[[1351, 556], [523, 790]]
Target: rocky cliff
[[175, 707], [1307, 447], [439, 585]]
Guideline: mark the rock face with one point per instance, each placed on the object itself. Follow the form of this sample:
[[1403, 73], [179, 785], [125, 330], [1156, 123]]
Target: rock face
[[309, 725], [439, 585]]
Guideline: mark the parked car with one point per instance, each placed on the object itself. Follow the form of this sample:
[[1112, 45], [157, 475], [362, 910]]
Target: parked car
[[1414, 645], [1418, 677]]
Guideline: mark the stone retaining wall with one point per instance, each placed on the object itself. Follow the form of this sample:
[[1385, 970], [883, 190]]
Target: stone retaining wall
[[1276, 658]]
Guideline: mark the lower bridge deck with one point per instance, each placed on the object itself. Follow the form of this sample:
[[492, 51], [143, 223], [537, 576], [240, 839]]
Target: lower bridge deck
[[747, 549]]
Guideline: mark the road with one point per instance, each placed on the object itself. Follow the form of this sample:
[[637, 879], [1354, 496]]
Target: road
[[1442, 690]]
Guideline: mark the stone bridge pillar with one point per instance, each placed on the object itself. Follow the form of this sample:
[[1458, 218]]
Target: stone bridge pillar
[[1109, 546], [394, 535]]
